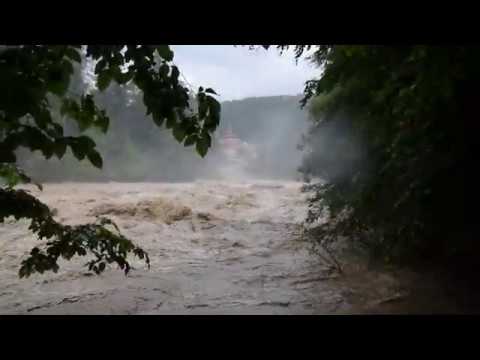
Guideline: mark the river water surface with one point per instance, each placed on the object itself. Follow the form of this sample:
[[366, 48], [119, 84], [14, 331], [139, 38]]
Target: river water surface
[[215, 248]]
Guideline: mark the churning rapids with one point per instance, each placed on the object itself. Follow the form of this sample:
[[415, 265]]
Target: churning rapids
[[215, 248]]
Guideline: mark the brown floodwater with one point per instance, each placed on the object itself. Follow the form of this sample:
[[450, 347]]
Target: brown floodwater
[[215, 248]]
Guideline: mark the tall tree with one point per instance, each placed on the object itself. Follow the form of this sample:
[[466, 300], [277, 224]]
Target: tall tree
[[388, 138], [34, 83]]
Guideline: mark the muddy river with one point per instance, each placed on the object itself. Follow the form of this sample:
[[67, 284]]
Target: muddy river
[[215, 248]]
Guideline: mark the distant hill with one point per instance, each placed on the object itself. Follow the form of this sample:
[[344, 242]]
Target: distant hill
[[273, 123], [135, 149]]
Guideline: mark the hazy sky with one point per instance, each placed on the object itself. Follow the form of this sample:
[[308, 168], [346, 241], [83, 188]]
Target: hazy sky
[[237, 72]]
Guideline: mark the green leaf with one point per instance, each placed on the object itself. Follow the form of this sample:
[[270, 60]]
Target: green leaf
[[123, 78], [77, 151], [190, 140], [214, 105], [86, 142], [7, 156], [164, 70], [103, 80], [213, 119], [95, 159], [101, 267], [43, 118], [202, 146], [68, 67], [179, 133], [10, 174], [175, 74], [56, 130], [88, 105], [47, 150], [84, 121], [171, 121], [103, 122], [69, 107], [100, 66], [73, 54], [58, 80], [82, 146], [59, 149], [208, 139], [210, 91], [202, 107], [165, 52], [158, 119]]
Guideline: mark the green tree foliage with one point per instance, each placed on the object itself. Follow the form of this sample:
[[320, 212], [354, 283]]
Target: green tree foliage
[[36, 98], [388, 141], [133, 149]]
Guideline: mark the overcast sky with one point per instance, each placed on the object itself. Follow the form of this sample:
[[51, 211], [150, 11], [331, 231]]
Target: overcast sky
[[237, 72]]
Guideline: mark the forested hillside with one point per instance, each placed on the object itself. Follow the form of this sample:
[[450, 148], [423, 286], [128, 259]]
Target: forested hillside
[[135, 149], [274, 125]]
